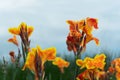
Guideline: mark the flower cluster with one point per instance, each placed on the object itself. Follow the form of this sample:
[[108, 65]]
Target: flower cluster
[[34, 58], [115, 68], [81, 33], [94, 67]]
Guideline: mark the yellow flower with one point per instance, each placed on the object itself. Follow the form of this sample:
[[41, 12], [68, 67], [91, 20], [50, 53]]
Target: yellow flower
[[23, 26], [60, 63], [13, 40], [30, 60]]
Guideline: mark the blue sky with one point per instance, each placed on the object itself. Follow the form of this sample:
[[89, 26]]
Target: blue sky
[[48, 18]]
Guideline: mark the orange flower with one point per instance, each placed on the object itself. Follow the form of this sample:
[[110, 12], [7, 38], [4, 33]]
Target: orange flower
[[116, 64], [81, 33], [13, 40], [23, 26], [60, 63], [97, 62]]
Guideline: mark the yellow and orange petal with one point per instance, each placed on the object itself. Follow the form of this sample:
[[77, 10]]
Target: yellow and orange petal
[[111, 70], [23, 26], [30, 61], [117, 67], [88, 30], [99, 64], [50, 53], [30, 30], [79, 62], [13, 40], [46, 54], [81, 24], [100, 57], [118, 75], [90, 64], [90, 38], [72, 24], [60, 63], [96, 41], [14, 31]]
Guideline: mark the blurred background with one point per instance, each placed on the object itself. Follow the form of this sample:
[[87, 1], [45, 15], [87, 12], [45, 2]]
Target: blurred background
[[49, 20]]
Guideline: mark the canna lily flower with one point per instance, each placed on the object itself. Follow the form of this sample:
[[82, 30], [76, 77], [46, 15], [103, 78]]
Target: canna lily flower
[[88, 63], [116, 63], [98, 62], [81, 33], [23, 26], [13, 40], [84, 75], [46, 54], [60, 63], [115, 68]]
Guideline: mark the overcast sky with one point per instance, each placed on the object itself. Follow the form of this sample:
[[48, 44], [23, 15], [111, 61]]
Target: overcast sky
[[49, 20]]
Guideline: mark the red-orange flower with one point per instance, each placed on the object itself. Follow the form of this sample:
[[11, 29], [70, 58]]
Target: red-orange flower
[[81, 33]]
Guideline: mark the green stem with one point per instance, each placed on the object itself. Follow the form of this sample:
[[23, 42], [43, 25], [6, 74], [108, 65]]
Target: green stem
[[49, 76], [23, 52], [78, 56], [61, 76], [76, 68]]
